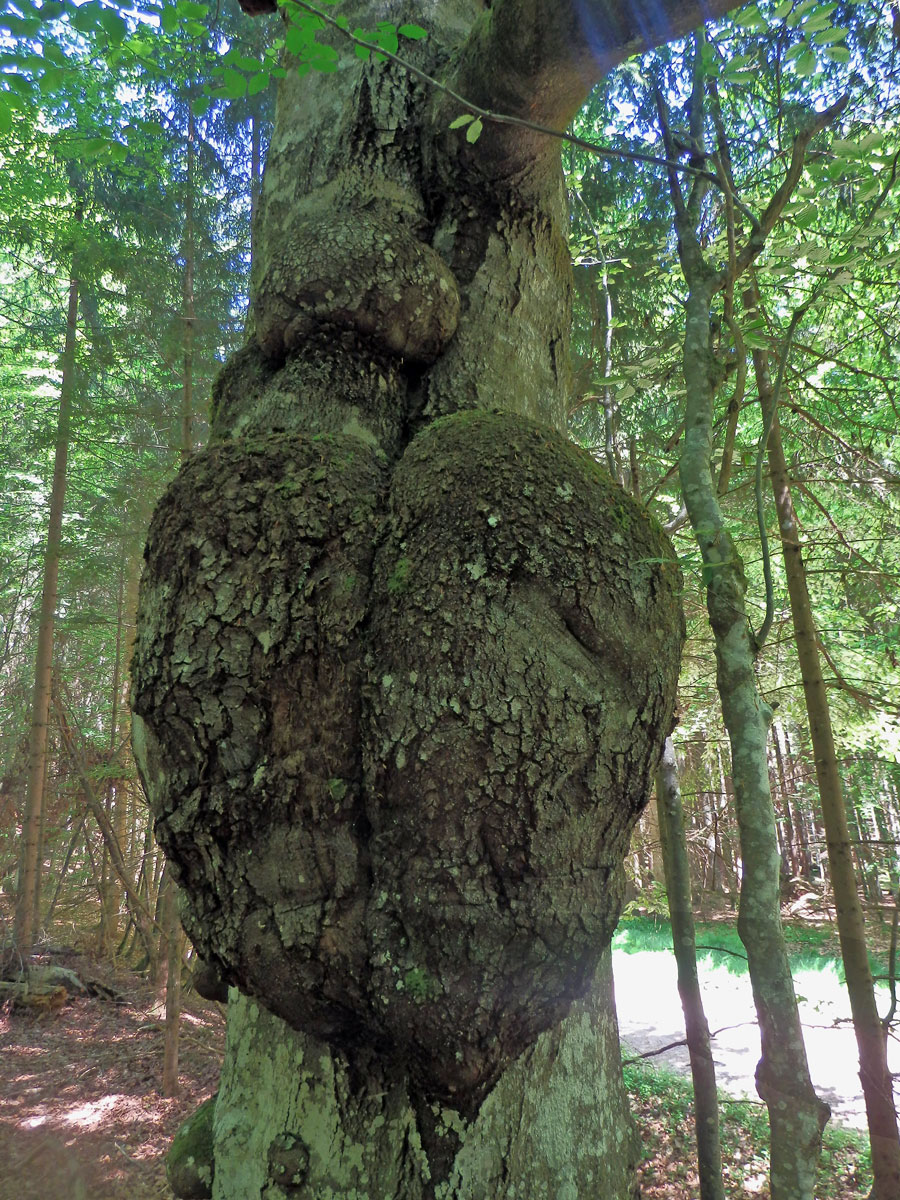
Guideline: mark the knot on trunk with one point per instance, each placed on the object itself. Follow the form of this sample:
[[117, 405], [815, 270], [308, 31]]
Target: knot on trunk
[[364, 270]]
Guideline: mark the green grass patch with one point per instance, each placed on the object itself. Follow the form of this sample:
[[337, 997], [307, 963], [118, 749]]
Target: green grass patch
[[809, 948], [663, 1107]]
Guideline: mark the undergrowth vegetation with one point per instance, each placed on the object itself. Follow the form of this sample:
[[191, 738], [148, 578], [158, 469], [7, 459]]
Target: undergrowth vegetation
[[662, 1103]]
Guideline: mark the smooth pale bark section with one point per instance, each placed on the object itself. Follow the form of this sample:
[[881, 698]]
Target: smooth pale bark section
[[796, 1115], [678, 890], [874, 1072], [29, 866], [291, 1120]]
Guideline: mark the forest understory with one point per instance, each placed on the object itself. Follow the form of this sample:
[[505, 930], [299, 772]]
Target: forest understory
[[83, 1117]]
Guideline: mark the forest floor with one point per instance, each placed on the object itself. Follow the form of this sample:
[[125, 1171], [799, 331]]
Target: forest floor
[[82, 1116]]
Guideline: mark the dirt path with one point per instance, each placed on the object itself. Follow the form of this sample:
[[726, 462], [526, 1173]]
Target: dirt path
[[81, 1114], [650, 1017]]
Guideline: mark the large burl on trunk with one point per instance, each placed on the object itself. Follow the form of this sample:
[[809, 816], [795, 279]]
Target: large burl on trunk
[[406, 657]]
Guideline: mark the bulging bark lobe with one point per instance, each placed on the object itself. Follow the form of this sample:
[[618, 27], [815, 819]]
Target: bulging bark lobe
[[399, 782]]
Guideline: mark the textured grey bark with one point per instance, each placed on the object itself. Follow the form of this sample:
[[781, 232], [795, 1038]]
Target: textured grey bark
[[554, 1128], [406, 661]]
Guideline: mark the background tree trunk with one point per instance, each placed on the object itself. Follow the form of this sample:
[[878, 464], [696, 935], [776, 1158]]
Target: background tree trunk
[[28, 890], [678, 890], [797, 1117], [871, 1038]]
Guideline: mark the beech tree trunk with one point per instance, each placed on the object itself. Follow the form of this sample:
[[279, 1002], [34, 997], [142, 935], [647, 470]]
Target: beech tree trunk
[[407, 657]]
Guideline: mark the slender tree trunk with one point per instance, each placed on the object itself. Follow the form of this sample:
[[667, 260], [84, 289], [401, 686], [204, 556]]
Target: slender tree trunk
[[74, 751], [796, 1115], [29, 868], [169, 960], [791, 838], [678, 890], [874, 1073], [653, 833], [187, 309], [802, 819], [110, 894], [173, 939], [255, 175]]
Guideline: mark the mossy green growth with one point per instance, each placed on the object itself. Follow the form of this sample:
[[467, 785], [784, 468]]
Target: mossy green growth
[[398, 581], [189, 1163], [337, 789], [418, 983]]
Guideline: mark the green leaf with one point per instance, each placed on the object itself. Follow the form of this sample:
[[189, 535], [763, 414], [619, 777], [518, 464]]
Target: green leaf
[[168, 19], [782, 10], [473, 133], [114, 27], [828, 37], [91, 148], [460, 121], [191, 8], [844, 148], [140, 48], [200, 106], [806, 64], [873, 139], [297, 38], [5, 115], [751, 18], [258, 83], [87, 17], [49, 82], [386, 37], [322, 58], [744, 75], [361, 52], [838, 54], [800, 12], [234, 83], [415, 32], [821, 19], [20, 26]]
